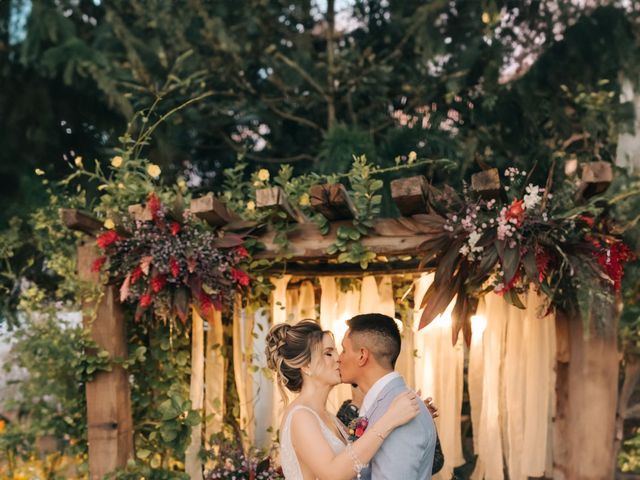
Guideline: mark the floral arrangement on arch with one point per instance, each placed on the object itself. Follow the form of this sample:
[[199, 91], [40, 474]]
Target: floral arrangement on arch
[[505, 244], [170, 262]]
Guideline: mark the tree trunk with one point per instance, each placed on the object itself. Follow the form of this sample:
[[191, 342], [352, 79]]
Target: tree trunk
[[108, 394], [587, 394]]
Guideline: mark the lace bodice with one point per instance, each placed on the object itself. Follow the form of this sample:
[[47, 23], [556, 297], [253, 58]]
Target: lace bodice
[[288, 459]]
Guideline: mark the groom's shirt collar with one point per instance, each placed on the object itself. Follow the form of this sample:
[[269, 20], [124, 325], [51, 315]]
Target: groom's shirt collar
[[375, 390]]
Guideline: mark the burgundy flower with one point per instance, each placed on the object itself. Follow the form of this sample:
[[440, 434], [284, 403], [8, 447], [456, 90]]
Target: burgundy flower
[[242, 252], [136, 274], [145, 300], [174, 267], [107, 238], [154, 205], [158, 282], [240, 277], [98, 263]]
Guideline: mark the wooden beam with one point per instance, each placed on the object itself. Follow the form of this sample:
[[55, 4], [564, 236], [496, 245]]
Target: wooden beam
[[212, 211], [390, 237], [486, 183], [410, 194], [140, 212], [332, 200], [80, 221], [109, 420], [275, 197]]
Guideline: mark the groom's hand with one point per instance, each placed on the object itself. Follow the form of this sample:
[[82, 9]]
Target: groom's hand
[[428, 402]]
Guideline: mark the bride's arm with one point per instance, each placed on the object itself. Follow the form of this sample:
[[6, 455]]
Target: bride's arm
[[313, 450]]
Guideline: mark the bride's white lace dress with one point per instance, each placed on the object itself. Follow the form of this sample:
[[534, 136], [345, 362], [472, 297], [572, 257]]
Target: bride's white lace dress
[[290, 466]]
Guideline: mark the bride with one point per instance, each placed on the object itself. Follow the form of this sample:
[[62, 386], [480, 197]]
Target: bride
[[313, 443]]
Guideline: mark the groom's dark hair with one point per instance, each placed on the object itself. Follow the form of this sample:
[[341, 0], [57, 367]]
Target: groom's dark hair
[[380, 334]]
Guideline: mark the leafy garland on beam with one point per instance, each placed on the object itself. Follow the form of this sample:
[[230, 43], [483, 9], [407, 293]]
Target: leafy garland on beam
[[521, 238]]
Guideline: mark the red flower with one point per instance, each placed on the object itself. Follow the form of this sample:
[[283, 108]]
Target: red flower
[[158, 282], [357, 426], [542, 262], [145, 300], [240, 277], [516, 211], [205, 302], [136, 274], [612, 260], [175, 228], [97, 264], [509, 285], [107, 238], [154, 205], [174, 267], [242, 252], [588, 220]]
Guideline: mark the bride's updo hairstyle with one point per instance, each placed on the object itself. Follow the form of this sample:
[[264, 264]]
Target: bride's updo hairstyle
[[289, 348]]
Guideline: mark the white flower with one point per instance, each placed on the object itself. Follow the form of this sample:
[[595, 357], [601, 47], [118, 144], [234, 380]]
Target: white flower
[[473, 239], [533, 196], [464, 250]]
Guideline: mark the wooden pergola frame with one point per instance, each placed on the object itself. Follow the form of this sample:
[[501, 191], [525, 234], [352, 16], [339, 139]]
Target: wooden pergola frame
[[587, 365]]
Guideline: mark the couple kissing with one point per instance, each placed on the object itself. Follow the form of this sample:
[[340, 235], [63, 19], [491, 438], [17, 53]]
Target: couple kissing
[[394, 436]]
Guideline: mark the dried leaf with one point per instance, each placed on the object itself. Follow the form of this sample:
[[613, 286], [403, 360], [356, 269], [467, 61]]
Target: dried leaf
[[145, 264], [124, 288]]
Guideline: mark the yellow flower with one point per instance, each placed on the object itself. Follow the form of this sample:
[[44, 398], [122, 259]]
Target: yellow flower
[[109, 225], [182, 184], [257, 183], [39, 172], [78, 162], [486, 18], [104, 186], [116, 161], [153, 170], [121, 186], [2, 425], [251, 205], [263, 174], [412, 156], [304, 199]]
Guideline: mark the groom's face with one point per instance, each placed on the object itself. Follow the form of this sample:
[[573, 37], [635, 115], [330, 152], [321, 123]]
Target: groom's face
[[349, 360]]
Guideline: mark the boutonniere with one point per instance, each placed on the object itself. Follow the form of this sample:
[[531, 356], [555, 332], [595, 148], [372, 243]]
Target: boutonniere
[[357, 426]]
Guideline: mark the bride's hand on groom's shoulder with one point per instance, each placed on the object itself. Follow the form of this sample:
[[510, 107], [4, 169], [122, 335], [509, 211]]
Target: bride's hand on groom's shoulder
[[404, 408], [428, 402]]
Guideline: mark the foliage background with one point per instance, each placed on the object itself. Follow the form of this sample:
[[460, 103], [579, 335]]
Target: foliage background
[[488, 83]]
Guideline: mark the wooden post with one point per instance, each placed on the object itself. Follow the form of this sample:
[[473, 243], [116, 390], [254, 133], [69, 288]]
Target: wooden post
[[275, 197], [192, 463], [486, 183], [332, 201], [108, 394], [587, 394], [212, 210], [410, 194]]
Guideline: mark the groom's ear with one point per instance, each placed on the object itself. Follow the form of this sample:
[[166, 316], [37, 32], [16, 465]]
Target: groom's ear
[[363, 358]]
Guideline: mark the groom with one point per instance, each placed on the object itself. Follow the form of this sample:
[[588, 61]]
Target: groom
[[370, 349]]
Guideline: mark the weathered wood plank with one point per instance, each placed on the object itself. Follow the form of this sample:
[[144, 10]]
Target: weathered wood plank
[[410, 194], [390, 237], [332, 201], [486, 183], [212, 211], [109, 420], [78, 220], [275, 197]]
